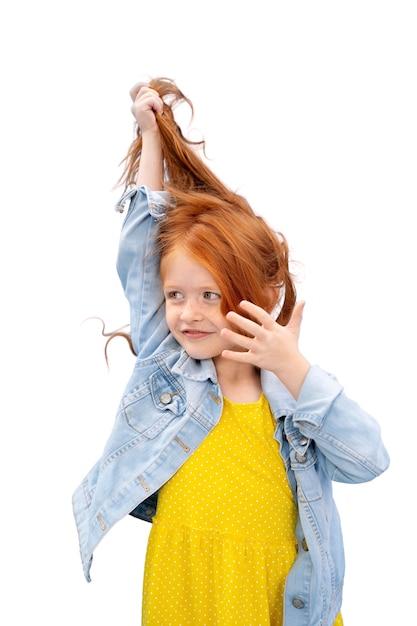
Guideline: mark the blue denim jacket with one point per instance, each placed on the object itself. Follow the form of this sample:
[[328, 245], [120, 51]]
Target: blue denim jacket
[[172, 402]]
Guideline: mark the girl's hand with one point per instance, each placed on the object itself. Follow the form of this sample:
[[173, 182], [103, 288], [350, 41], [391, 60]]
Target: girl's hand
[[270, 346], [146, 102]]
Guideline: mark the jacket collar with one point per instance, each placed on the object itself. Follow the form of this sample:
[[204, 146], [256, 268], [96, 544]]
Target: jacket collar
[[193, 369]]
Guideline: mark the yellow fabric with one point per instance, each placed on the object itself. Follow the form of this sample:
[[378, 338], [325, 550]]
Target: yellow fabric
[[222, 541]]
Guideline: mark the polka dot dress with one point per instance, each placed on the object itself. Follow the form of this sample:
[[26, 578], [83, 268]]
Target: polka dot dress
[[222, 541]]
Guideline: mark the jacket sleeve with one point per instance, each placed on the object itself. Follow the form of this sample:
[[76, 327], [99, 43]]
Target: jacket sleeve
[[346, 436], [138, 268]]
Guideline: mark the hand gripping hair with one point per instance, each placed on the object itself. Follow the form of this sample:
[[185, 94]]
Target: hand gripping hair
[[212, 223]]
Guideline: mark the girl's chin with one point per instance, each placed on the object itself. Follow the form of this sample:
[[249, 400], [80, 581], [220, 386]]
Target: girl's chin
[[200, 355], [199, 352]]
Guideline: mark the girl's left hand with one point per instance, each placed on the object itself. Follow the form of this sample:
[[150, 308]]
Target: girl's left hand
[[270, 346]]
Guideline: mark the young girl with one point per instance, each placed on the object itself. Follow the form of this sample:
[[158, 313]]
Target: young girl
[[226, 438]]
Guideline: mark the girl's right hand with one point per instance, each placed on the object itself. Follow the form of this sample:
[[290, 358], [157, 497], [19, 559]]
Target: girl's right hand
[[146, 102]]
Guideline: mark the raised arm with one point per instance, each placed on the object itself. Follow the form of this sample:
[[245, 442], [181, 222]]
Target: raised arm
[[146, 105], [137, 261]]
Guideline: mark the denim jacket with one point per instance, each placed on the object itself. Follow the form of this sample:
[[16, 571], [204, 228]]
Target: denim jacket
[[172, 402]]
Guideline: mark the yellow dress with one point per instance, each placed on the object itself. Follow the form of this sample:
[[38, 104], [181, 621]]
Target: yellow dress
[[222, 541]]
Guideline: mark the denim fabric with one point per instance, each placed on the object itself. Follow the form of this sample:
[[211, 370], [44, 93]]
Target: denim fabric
[[172, 402]]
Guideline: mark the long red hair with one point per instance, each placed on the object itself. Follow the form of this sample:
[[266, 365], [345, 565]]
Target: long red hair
[[212, 223], [215, 225]]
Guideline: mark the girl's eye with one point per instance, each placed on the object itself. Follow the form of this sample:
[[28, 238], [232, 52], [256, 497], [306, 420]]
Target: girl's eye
[[211, 295], [173, 295]]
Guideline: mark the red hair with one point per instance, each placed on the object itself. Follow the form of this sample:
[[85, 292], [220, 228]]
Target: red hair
[[213, 224], [248, 260]]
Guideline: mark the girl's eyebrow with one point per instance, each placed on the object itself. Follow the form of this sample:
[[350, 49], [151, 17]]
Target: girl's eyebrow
[[198, 288]]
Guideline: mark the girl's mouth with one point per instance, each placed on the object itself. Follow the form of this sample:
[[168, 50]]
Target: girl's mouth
[[195, 334]]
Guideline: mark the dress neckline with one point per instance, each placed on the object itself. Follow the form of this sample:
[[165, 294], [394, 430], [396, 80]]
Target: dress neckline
[[254, 403]]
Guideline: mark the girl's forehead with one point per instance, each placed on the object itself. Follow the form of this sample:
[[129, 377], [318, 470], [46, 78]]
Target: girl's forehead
[[179, 266]]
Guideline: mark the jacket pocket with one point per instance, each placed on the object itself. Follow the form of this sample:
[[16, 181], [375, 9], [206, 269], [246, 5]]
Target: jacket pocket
[[149, 408]]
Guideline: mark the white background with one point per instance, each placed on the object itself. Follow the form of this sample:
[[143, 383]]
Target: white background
[[308, 109]]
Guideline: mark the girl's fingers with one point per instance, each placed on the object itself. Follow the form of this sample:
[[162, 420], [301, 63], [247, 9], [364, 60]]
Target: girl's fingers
[[241, 357], [135, 90], [263, 318], [148, 100], [147, 93], [243, 323], [237, 339], [258, 313]]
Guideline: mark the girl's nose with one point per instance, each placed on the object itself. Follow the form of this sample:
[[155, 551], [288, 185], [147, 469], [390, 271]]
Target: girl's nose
[[191, 312]]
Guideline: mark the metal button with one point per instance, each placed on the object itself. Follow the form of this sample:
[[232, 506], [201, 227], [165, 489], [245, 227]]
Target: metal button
[[165, 397], [304, 544], [298, 603], [149, 511], [303, 441], [301, 458]]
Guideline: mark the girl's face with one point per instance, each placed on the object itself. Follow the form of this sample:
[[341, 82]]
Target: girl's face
[[193, 310]]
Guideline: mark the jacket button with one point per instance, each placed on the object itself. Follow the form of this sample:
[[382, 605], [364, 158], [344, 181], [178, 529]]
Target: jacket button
[[165, 397], [304, 544], [301, 458], [303, 441], [298, 603]]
